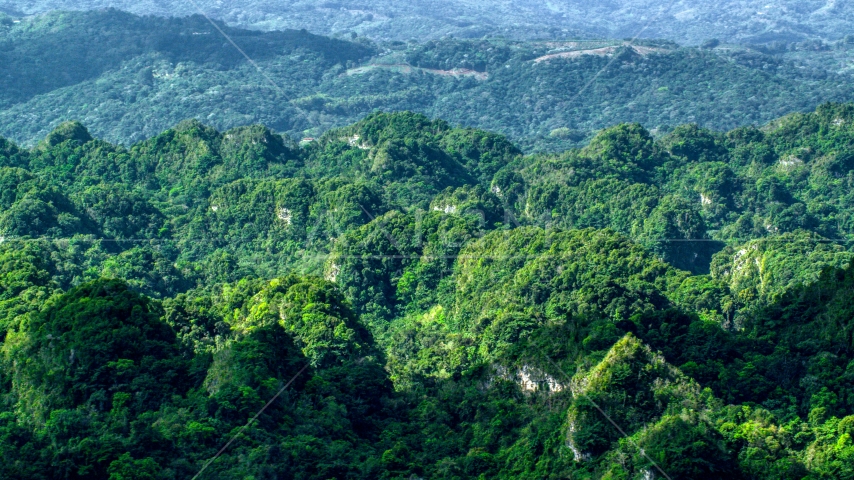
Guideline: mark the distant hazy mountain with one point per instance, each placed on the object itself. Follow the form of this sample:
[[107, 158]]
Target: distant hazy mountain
[[128, 78], [684, 21]]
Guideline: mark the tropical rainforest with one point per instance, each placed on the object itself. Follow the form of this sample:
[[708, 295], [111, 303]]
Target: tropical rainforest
[[403, 298], [129, 78]]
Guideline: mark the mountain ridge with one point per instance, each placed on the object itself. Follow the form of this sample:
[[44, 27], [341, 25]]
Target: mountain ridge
[[306, 83], [686, 21]]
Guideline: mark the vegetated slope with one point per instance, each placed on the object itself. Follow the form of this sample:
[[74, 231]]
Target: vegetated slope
[[685, 21], [79, 47], [117, 59], [463, 310], [543, 95]]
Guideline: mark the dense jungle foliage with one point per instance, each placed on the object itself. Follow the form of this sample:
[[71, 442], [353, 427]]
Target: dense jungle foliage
[[129, 78], [637, 308]]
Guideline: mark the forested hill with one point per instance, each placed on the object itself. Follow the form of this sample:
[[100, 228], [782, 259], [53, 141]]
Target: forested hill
[[463, 310], [686, 21], [83, 46], [129, 78]]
